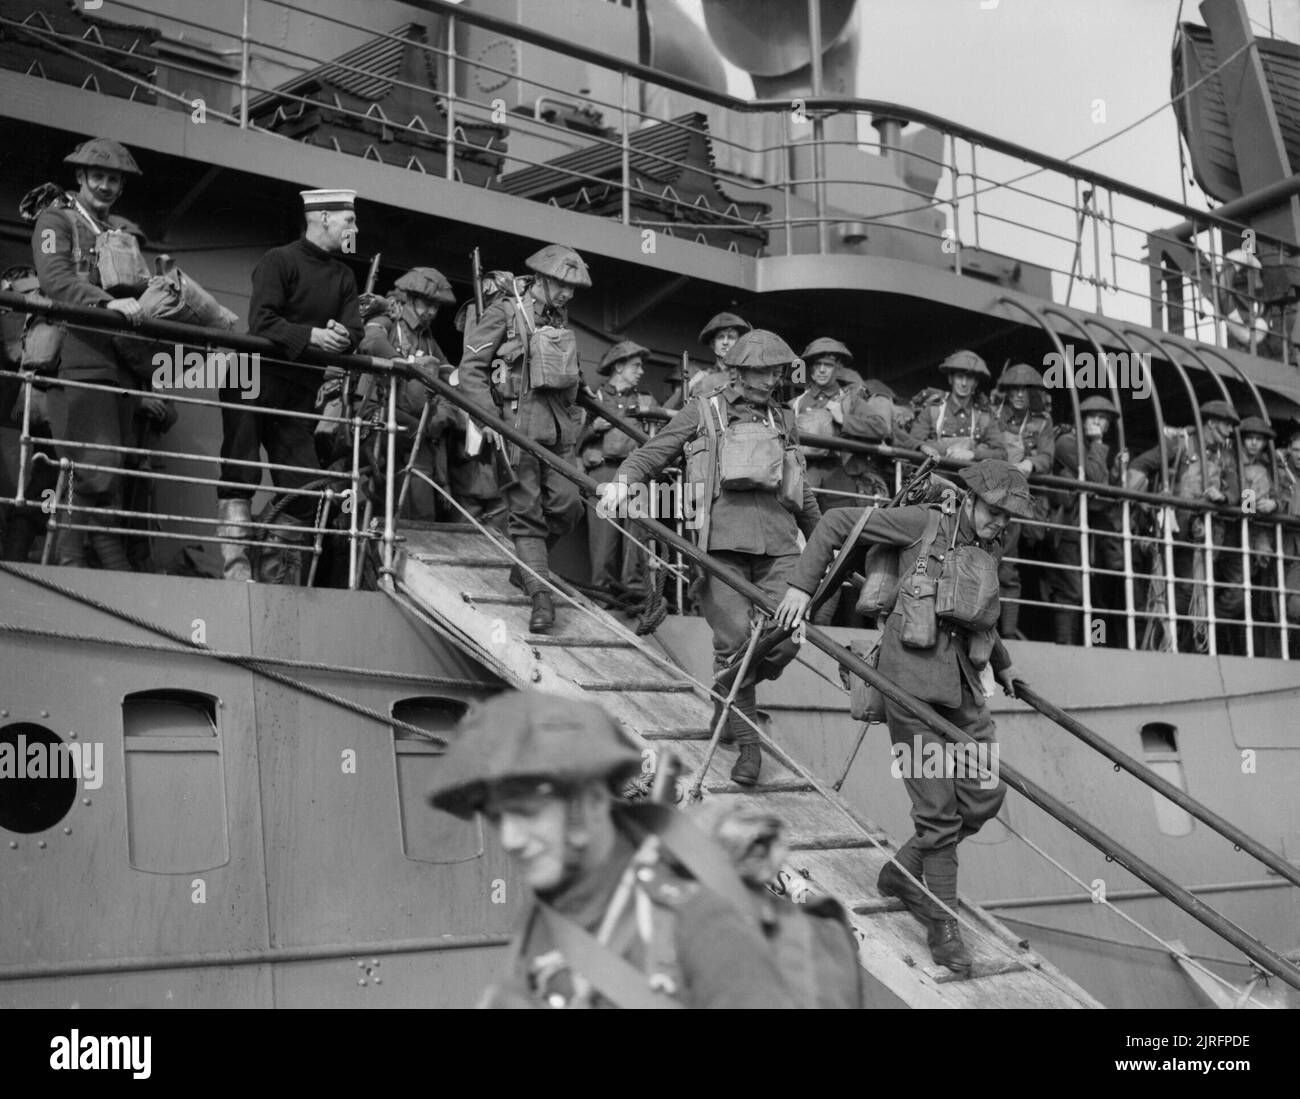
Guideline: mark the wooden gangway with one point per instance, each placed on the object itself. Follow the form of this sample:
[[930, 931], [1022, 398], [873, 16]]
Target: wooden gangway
[[455, 577]]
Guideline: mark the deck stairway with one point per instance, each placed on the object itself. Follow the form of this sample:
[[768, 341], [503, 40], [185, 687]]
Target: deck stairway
[[456, 578]]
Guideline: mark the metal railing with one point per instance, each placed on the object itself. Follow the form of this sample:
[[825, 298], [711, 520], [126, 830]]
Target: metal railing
[[1081, 226]]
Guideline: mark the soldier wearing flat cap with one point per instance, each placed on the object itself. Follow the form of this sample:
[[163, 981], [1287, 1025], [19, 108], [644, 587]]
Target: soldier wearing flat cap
[[618, 566], [941, 653], [627, 906], [1201, 467], [303, 296]]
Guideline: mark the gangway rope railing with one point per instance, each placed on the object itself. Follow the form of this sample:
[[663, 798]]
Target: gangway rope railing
[[1115, 851]]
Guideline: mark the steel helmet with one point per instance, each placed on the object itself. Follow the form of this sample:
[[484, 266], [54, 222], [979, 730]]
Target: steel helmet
[[759, 348], [560, 262], [531, 736], [427, 282], [621, 351], [1255, 425], [1020, 374], [1098, 404], [966, 361], [1220, 410], [999, 484], [103, 152], [723, 320], [826, 346]]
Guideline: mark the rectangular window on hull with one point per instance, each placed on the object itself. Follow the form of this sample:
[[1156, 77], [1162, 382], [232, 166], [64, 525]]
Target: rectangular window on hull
[[175, 782], [429, 835], [1160, 749]]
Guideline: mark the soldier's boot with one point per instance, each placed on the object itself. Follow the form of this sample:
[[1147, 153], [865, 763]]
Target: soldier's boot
[[234, 516], [111, 551], [894, 883], [280, 563], [72, 546], [542, 619], [1063, 622], [748, 765], [947, 947]]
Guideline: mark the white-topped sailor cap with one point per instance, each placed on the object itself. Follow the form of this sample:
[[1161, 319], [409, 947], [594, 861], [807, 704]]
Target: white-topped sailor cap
[[328, 200]]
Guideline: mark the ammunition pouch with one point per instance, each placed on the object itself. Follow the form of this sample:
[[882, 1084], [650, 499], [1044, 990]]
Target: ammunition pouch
[[553, 359], [919, 625], [865, 702], [815, 421], [42, 345], [751, 457], [122, 269], [793, 472], [967, 593], [880, 586]]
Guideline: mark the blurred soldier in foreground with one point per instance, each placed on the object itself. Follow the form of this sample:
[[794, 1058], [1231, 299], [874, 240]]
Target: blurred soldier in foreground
[[719, 336], [809, 934], [303, 296], [940, 653], [1022, 426], [521, 360], [750, 499], [629, 906], [618, 566]]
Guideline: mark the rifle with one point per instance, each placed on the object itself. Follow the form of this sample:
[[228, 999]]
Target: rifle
[[373, 274], [501, 468], [771, 636]]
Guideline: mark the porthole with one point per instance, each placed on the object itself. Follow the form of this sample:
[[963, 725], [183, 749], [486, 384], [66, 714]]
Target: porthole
[[38, 777]]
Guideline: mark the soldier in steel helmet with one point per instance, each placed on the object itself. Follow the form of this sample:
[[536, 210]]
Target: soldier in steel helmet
[[521, 361], [402, 328], [817, 412], [1022, 425], [626, 906], [956, 422], [1064, 582], [946, 656], [69, 227], [618, 566], [1288, 492], [1259, 494], [1212, 477], [741, 518], [719, 336]]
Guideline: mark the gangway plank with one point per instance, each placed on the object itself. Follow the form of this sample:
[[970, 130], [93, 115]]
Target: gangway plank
[[457, 580]]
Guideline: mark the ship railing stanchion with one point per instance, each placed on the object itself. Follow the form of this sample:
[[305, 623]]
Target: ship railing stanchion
[[1171, 606], [63, 486], [1110, 220], [243, 69], [354, 500], [390, 474], [1126, 536], [1095, 216], [956, 209], [25, 439], [1211, 619], [1283, 624], [626, 165], [786, 143], [1085, 566], [975, 193], [451, 98], [1246, 587]]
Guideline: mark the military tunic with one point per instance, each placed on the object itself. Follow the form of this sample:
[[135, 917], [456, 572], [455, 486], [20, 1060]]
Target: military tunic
[[946, 425], [617, 564], [748, 530], [701, 951], [543, 505], [944, 809]]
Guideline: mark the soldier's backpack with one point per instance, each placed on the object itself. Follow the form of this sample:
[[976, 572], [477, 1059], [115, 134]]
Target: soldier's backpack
[[550, 353], [868, 416], [813, 419]]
